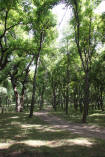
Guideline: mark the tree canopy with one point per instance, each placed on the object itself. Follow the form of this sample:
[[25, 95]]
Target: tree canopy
[[38, 71]]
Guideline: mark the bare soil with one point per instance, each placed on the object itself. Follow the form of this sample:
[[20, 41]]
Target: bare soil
[[75, 128]]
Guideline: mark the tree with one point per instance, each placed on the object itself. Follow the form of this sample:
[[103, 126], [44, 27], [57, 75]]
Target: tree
[[42, 28], [11, 16], [85, 39]]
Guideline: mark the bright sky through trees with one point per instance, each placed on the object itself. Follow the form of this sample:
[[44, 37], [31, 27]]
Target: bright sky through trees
[[63, 15], [101, 7]]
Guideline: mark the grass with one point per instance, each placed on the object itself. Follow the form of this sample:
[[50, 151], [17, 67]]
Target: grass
[[97, 118], [24, 137]]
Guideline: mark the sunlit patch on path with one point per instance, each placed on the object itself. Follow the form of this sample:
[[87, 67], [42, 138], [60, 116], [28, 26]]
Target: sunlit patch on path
[[58, 143], [81, 129], [52, 144]]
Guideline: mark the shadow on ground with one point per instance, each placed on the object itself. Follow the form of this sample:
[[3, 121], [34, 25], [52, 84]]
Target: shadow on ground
[[24, 137]]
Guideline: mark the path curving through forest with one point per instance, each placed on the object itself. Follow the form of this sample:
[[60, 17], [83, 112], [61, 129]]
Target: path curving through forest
[[74, 128]]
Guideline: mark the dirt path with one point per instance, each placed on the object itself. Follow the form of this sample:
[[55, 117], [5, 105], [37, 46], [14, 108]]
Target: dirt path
[[81, 129]]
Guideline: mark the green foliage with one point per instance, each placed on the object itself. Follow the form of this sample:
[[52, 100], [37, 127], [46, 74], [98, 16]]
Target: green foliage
[[27, 27], [7, 4]]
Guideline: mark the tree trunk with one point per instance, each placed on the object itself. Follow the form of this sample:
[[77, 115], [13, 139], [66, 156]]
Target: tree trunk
[[67, 78], [23, 84], [86, 98], [22, 99], [17, 96], [80, 105], [34, 87], [53, 84], [101, 99], [67, 100], [35, 73], [54, 98], [42, 100]]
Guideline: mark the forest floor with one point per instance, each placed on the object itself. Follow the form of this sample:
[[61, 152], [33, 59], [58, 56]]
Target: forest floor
[[75, 128], [46, 135]]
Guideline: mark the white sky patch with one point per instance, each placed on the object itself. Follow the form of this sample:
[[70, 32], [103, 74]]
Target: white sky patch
[[63, 14], [101, 8]]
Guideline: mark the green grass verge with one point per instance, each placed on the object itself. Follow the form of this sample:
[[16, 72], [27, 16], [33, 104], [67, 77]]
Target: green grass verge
[[97, 118]]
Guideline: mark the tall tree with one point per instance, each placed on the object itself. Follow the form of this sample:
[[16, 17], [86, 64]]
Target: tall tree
[[42, 28], [85, 39]]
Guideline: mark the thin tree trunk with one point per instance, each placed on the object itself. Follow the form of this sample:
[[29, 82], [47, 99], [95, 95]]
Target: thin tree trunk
[[86, 98], [67, 100], [86, 61], [17, 96], [101, 99], [53, 84], [22, 99], [24, 82], [17, 99], [42, 94], [34, 87], [54, 98], [35, 73], [67, 78]]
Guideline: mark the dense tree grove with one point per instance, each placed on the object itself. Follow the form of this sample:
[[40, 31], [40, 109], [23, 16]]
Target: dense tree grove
[[36, 71]]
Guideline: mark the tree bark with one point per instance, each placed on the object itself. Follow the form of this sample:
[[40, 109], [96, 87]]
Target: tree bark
[[84, 56], [35, 73], [22, 98], [67, 77], [42, 94], [54, 98], [34, 87], [23, 84], [17, 96], [86, 98]]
